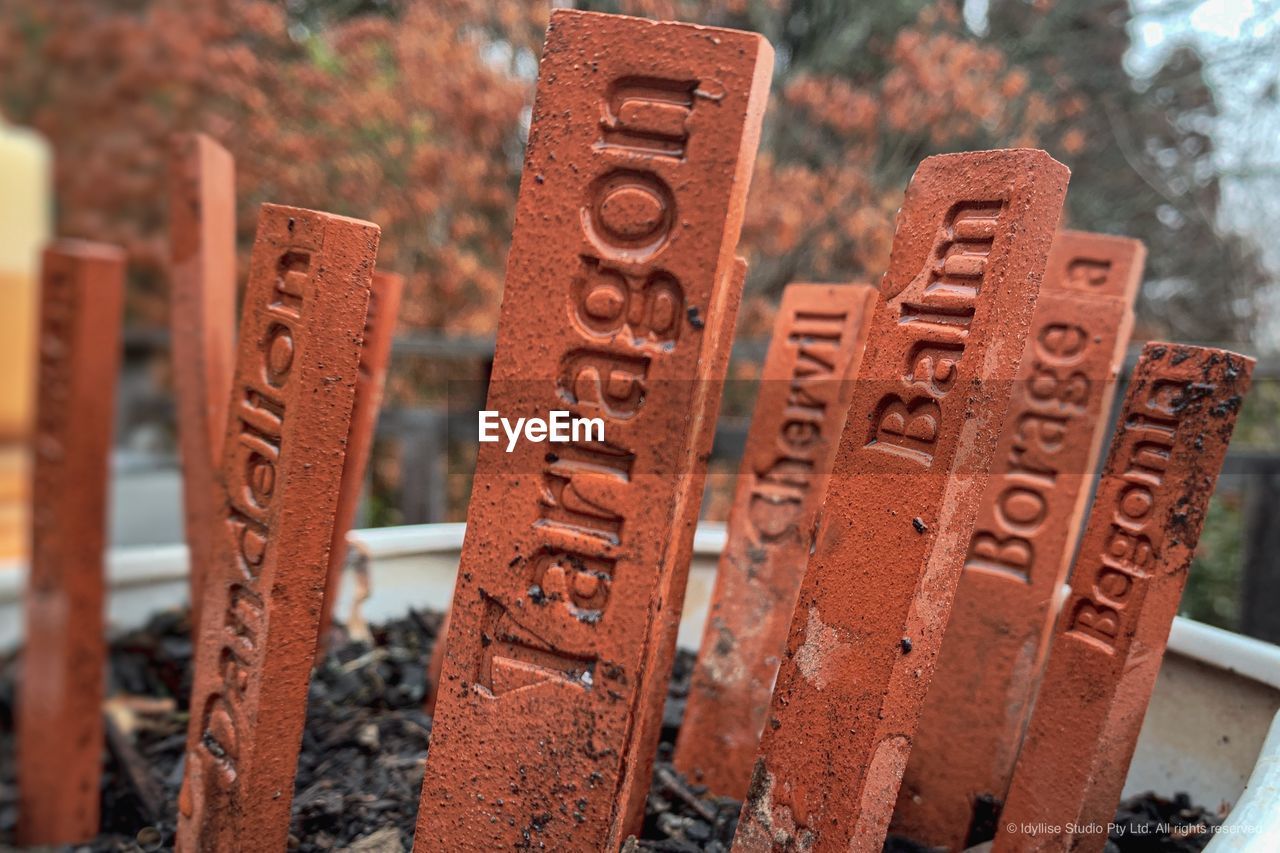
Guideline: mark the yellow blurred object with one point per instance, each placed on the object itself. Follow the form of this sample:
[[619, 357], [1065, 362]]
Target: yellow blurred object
[[14, 493], [24, 228]]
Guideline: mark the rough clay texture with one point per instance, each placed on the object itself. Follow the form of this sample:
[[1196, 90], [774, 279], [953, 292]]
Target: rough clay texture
[[202, 324], [805, 387], [59, 718], [934, 386], [289, 418], [1129, 575], [375, 354], [621, 292], [1024, 538]]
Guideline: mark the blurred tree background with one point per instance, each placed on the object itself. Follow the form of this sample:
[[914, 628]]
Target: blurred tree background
[[413, 113]]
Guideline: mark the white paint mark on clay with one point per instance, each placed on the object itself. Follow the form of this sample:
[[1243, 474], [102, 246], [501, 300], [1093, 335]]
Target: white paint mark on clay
[[813, 657]]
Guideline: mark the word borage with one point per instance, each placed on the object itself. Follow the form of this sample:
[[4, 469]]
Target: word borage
[[559, 426]]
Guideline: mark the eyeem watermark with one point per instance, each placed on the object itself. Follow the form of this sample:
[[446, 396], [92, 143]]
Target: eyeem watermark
[[558, 427]]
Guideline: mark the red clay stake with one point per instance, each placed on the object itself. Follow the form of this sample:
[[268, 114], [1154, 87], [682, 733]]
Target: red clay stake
[[375, 354], [1109, 639], [1022, 544], [282, 459], [436, 664], [934, 386], [619, 305], [805, 389], [202, 321], [59, 716]]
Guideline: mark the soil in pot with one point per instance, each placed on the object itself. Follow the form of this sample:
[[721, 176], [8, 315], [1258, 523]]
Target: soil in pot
[[360, 769]]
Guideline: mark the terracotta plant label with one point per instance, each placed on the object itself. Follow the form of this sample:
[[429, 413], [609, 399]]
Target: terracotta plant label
[[934, 386], [282, 458], [620, 290], [1023, 541], [805, 389], [59, 713], [435, 665], [202, 324], [1109, 639], [375, 355]]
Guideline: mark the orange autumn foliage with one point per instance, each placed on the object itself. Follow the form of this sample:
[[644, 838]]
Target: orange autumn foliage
[[412, 114], [411, 122]]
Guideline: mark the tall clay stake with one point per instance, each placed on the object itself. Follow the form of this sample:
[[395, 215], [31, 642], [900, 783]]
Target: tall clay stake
[[435, 665], [1105, 654], [805, 389], [619, 305], [282, 457], [1023, 542], [59, 716], [202, 318], [933, 391], [375, 354]]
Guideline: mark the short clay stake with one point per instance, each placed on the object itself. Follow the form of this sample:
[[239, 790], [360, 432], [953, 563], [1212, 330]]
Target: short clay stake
[[1128, 578], [933, 391], [805, 388], [202, 318], [375, 354], [1022, 544], [59, 714], [289, 418], [620, 290]]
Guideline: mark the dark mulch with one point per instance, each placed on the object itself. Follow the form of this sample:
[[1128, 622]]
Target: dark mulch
[[360, 769]]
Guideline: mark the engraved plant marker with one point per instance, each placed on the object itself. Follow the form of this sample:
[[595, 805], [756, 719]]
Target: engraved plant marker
[[375, 355], [1024, 538], [805, 389], [435, 665], [943, 350], [619, 304], [59, 714], [1109, 639], [289, 417], [202, 318]]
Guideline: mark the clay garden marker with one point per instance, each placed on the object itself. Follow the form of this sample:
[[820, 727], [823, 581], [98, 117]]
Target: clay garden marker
[[202, 317], [1023, 541], [282, 460], [375, 354], [805, 388], [59, 714], [1134, 557], [934, 386], [620, 289], [436, 664]]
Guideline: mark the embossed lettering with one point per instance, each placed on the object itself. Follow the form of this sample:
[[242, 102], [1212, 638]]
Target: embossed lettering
[[1055, 396], [908, 424], [608, 302], [648, 116], [252, 477], [783, 480], [1085, 273], [629, 310], [1135, 526]]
